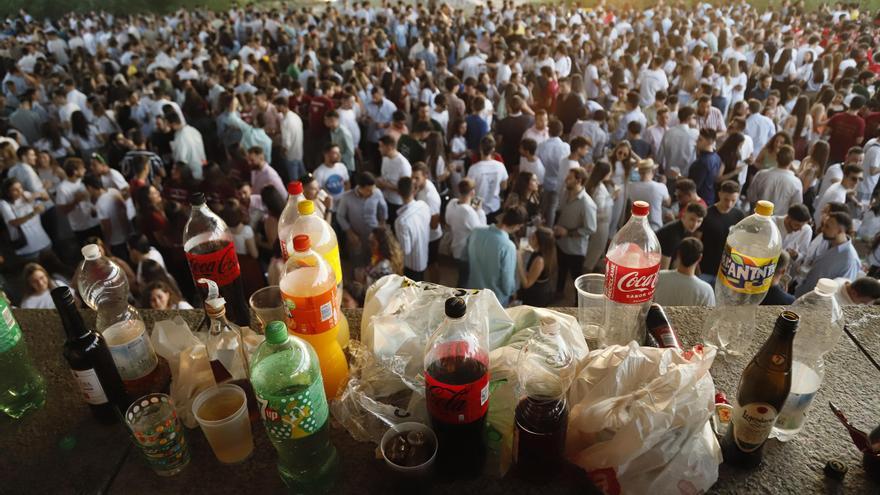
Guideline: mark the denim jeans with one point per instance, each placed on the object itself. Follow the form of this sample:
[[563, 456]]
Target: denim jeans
[[295, 169]]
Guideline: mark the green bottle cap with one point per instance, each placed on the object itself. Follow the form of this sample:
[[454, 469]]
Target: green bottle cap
[[276, 332]]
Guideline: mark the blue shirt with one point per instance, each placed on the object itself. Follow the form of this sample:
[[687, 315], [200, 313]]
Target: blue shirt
[[840, 261], [703, 172], [492, 262], [477, 128]]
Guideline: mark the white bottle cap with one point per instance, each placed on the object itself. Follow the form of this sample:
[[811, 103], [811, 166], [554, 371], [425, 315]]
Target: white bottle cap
[[826, 286], [91, 252]]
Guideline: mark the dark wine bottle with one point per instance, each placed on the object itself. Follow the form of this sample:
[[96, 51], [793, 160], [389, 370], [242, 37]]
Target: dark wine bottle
[[90, 362]]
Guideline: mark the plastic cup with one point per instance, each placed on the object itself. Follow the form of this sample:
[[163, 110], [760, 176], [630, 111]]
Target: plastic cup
[[222, 414], [428, 437], [158, 433], [591, 306], [267, 306]]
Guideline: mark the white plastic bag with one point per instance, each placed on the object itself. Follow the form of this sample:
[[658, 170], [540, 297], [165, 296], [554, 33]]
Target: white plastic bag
[[188, 360], [639, 421]]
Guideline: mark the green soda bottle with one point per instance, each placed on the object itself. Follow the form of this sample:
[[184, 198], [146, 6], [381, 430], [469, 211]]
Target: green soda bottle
[[287, 381], [21, 387]]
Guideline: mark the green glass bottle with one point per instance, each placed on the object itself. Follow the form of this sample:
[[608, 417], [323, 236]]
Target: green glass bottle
[[21, 387]]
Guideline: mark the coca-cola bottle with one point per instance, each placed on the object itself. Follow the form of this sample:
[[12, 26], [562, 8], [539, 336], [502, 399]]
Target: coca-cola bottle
[[457, 389], [210, 251], [632, 265]]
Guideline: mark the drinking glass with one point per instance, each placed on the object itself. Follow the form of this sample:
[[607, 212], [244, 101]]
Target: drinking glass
[[158, 433], [591, 306], [222, 413], [267, 306]]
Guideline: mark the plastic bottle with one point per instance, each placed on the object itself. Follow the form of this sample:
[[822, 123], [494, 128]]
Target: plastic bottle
[[210, 251], [545, 370], [821, 327], [22, 388], [744, 276], [289, 216], [457, 389], [103, 286], [287, 381], [631, 270], [324, 242], [309, 292]]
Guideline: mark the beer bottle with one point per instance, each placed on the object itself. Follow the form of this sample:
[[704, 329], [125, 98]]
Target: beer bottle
[[763, 388]]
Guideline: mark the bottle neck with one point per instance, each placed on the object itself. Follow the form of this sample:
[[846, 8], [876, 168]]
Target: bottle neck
[[72, 321], [776, 353]]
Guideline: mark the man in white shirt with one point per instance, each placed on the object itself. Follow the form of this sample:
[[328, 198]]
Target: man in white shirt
[[654, 134], [187, 146], [291, 140], [678, 149], [591, 126], [412, 229], [554, 155], [394, 167], [681, 287], [538, 132], [490, 177], [74, 204], [633, 114], [863, 290], [262, 174], [528, 162], [840, 191], [112, 179], [25, 172], [111, 212], [463, 215], [758, 127], [834, 173], [592, 82], [871, 166], [652, 79], [778, 185], [426, 191], [796, 231], [651, 192], [473, 64], [332, 174]]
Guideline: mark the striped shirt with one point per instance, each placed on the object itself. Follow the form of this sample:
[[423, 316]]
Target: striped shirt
[[713, 120], [131, 158]]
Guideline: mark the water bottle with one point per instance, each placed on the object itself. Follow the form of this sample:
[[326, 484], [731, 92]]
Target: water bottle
[[22, 388], [287, 380], [545, 370], [288, 217], [631, 270], [103, 286], [821, 328], [744, 276]]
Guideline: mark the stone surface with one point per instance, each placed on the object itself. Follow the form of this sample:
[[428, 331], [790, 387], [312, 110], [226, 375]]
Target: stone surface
[[103, 460]]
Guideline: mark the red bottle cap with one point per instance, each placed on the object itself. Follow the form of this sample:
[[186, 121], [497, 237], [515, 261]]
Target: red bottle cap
[[301, 243], [720, 398], [640, 208], [294, 187]]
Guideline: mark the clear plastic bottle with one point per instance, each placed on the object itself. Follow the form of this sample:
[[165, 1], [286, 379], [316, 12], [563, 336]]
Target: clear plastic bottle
[[287, 380], [103, 286], [632, 266], [744, 276], [821, 327], [289, 216], [309, 292], [22, 388], [545, 370]]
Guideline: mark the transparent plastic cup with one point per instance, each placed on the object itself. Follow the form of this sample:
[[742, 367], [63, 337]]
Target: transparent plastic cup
[[591, 306], [266, 306], [222, 413], [428, 438]]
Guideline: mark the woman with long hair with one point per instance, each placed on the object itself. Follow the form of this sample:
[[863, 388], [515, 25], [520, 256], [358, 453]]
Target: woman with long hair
[[160, 295], [535, 274], [386, 259], [687, 83], [151, 218], [525, 194], [813, 168], [800, 126], [85, 137], [731, 160], [53, 141], [767, 156], [599, 188], [623, 162], [435, 151], [37, 286], [784, 70]]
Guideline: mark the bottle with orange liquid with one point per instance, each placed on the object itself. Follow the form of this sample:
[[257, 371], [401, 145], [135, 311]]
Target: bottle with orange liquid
[[309, 292], [324, 242]]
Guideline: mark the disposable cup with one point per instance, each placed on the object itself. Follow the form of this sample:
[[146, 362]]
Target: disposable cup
[[591, 306], [222, 413], [405, 428]]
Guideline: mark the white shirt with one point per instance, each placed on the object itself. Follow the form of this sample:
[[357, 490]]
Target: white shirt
[[554, 154], [332, 179], [412, 229], [797, 241], [677, 289], [536, 167], [537, 136], [779, 186], [833, 175], [37, 240], [348, 118], [80, 217], [653, 193], [431, 197], [835, 194], [292, 136], [872, 160], [462, 219], [652, 81], [239, 239], [110, 206], [488, 176], [115, 180], [189, 148], [392, 170], [760, 129]]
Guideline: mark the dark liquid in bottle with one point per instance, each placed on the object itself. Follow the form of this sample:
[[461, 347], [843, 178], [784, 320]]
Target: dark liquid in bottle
[[157, 380], [236, 306], [541, 425], [461, 449]]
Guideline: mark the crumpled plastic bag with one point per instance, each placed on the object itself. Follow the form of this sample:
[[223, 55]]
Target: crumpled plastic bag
[[639, 420]]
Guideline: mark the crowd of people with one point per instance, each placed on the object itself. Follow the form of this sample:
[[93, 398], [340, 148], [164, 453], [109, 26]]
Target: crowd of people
[[497, 147]]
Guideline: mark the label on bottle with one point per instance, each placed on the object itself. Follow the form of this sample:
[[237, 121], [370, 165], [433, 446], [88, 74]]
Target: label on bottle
[[457, 404], [294, 416], [665, 337], [90, 386], [752, 424], [313, 314], [221, 266], [745, 274], [628, 285], [10, 332], [131, 349]]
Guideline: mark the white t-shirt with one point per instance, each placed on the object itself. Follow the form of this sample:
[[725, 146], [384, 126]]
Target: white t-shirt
[[392, 170], [37, 239], [80, 217], [488, 176], [653, 193], [332, 179], [111, 206], [536, 167], [429, 195], [115, 180], [462, 219], [41, 301], [833, 175], [240, 238]]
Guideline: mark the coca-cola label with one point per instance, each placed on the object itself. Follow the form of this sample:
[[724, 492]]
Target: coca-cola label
[[221, 266], [630, 285], [457, 404]]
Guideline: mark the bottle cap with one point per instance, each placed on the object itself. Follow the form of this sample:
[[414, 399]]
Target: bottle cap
[[91, 252], [301, 243], [835, 469], [640, 208], [294, 187], [276, 332], [826, 286], [764, 208], [455, 307], [305, 207], [197, 199]]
